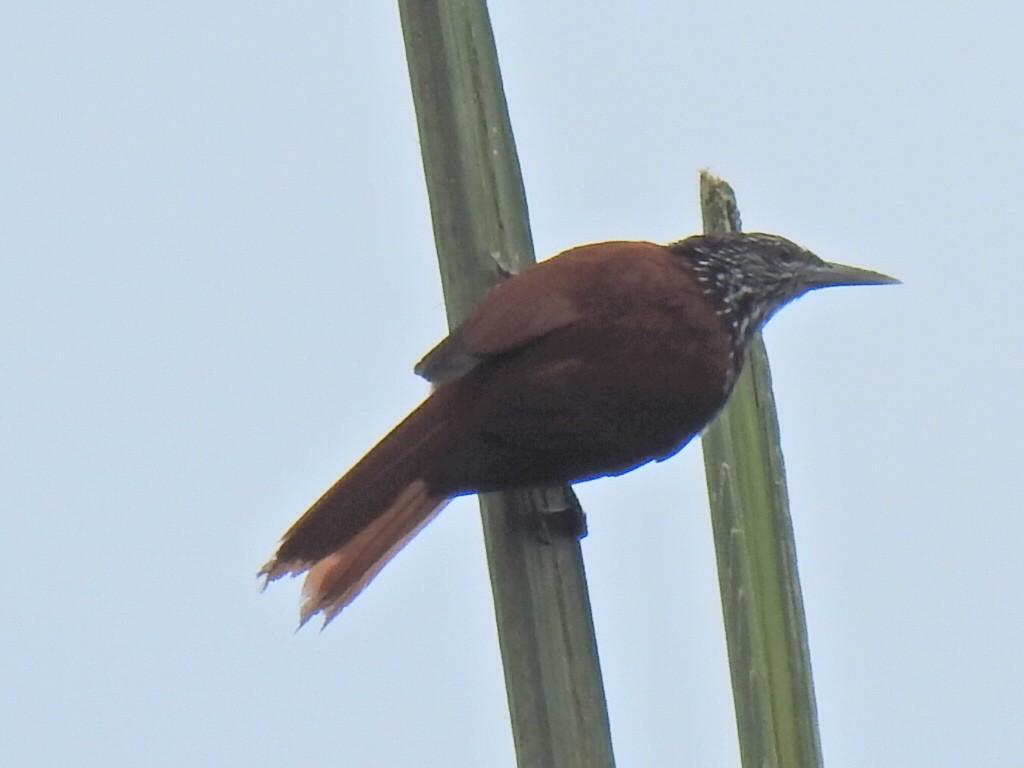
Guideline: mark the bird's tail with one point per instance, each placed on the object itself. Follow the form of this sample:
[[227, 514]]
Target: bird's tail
[[369, 514]]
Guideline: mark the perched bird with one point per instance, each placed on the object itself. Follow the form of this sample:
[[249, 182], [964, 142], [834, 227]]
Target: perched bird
[[591, 363]]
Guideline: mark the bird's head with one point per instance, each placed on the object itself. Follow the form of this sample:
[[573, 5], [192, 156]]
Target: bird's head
[[750, 276]]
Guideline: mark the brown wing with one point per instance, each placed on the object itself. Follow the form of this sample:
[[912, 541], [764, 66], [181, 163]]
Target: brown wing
[[638, 371], [525, 307]]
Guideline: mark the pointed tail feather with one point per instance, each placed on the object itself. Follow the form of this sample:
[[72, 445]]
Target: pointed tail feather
[[335, 581], [366, 517]]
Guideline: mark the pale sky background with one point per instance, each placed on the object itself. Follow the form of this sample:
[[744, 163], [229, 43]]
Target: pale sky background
[[216, 272]]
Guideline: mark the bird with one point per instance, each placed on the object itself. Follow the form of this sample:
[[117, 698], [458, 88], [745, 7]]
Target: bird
[[588, 364]]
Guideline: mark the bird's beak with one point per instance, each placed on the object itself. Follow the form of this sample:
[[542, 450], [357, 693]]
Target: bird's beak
[[840, 274]]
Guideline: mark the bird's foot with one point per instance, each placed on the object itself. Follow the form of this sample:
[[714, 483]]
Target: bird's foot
[[561, 515]]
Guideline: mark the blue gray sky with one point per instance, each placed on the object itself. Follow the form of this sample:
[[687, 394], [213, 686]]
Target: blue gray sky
[[216, 272]]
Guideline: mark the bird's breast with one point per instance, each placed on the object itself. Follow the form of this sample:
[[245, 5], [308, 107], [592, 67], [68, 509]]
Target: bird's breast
[[588, 402]]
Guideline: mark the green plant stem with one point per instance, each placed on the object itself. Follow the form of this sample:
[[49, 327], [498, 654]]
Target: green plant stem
[[478, 207], [765, 627]]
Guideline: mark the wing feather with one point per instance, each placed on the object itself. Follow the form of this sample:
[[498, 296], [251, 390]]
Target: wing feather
[[514, 313]]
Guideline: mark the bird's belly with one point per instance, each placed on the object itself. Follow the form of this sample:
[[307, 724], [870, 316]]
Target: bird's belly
[[548, 422]]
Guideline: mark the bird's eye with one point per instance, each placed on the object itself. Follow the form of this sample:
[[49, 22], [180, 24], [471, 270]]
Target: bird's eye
[[789, 255]]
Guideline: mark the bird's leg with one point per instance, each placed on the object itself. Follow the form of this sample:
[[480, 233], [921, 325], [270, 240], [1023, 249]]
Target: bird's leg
[[561, 515]]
